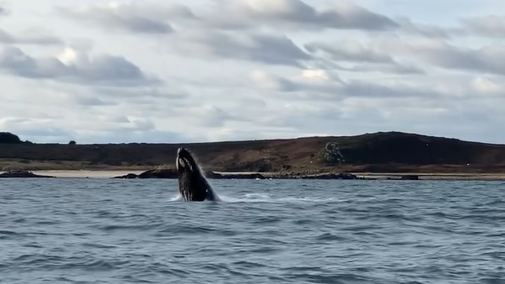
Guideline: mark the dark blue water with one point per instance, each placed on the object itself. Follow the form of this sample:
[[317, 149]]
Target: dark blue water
[[294, 231]]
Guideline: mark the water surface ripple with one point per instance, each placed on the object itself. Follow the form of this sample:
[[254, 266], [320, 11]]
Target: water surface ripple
[[264, 231]]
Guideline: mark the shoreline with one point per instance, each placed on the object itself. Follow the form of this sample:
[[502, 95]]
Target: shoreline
[[108, 174], [85, 173], [439, 176]]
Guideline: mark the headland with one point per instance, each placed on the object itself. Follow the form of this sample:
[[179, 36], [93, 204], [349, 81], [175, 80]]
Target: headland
[[381, 155]]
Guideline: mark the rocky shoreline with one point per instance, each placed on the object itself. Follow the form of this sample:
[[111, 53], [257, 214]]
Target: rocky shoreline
[[172, 174], [22, 174]]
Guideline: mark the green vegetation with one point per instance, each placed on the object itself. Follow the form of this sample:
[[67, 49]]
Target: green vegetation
[[332, 155], [377, 152]]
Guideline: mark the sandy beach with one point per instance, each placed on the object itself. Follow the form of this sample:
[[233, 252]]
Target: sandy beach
[[84, 173]]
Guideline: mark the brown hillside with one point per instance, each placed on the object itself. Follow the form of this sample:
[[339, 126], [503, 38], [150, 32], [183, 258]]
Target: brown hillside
[[376, 152]]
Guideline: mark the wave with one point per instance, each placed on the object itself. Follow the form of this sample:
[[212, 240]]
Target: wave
[[267, 198], [177, 197]]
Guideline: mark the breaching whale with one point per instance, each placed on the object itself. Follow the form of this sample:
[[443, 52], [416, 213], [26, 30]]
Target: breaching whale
[[193, 186]]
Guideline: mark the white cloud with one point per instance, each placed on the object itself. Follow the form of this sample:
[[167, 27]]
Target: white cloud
[[361, 57], [317, 75], [3, 12], [428, 30], [293, 15], [263, 48], [273, 82], [158, 17], [7, 38], [35, 129], [334, 89], [490, 25], [488, 87], [140, 71], [448, 56], [352, 51], [135, 17], [73, 66]]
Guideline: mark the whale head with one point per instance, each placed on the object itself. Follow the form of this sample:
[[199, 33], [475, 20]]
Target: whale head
[[193, 186]]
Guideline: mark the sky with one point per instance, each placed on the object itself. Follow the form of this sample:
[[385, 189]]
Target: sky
[[193, 71]]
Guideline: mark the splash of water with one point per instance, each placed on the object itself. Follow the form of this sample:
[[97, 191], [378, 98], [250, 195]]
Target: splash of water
[[266, 198]]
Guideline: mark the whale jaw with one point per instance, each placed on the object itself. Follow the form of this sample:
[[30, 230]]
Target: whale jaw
[[193, 186]]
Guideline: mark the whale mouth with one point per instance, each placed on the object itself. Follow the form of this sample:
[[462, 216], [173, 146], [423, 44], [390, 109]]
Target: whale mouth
[[184, 160]]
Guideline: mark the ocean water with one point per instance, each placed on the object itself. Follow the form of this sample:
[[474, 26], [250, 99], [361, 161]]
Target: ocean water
[[263, 231]]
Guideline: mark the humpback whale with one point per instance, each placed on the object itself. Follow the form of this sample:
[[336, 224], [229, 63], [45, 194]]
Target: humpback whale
[[193, 186]]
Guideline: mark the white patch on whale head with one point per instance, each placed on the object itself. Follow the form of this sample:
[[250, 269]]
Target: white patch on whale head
[[183, 163], [177, 165]]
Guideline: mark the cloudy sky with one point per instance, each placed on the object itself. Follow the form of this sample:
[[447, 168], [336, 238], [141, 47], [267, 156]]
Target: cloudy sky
[[195, 70]]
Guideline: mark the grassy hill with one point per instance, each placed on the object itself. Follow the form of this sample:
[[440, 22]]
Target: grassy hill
[[375, 152]]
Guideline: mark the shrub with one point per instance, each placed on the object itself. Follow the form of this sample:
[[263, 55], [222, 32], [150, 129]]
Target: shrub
[[331, 154], [9, 138]]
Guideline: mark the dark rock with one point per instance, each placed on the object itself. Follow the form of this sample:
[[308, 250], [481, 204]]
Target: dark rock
[[128, 176], [330, 176], [410, 177], [159, 173], [404, 177], [154, 173], [21, 174], [235, 176]]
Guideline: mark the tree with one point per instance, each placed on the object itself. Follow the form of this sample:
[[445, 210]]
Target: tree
[[9, 138], [72, 142]]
